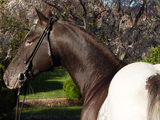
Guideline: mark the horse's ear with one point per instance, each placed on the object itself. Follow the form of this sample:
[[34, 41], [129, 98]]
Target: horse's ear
[[48, 12], [42, 19]]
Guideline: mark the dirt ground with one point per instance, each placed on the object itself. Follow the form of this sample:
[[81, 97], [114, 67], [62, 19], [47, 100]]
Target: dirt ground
[[51, 103], [55, 102]]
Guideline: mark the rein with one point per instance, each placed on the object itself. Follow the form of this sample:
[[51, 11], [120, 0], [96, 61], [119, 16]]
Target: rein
[[27, 74]]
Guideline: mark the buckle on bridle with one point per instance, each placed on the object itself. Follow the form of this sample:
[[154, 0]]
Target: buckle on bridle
[[21, 77]]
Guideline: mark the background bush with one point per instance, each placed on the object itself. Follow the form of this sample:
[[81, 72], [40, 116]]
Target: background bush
[[154, 55], [70, 89], [7, 98]]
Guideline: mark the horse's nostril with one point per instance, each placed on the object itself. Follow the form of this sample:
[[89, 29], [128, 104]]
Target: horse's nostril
[[7, 83]]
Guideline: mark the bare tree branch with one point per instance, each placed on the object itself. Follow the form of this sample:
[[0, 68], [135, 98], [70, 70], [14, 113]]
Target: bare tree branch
[[141, 11], [51, 5], [20, 27], [14, 26]]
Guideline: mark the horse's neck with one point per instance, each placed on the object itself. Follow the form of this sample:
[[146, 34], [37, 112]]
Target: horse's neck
[[87, 60]]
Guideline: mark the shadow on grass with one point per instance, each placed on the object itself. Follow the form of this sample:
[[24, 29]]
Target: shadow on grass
[[61, 111], [47, 81]]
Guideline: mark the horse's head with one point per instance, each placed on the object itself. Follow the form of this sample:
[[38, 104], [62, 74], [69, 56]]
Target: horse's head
[[16, 70]]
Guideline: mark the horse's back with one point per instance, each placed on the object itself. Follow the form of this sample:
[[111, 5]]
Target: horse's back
[[127, 97]]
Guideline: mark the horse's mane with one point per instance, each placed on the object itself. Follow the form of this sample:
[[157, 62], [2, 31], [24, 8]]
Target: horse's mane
[[70, 24], [91, 38]]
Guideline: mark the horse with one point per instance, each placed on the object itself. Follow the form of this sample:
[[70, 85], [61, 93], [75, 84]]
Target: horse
[[134, 94], [89, 62], [110, 89]]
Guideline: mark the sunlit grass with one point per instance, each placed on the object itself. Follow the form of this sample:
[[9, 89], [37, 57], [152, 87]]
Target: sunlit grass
[[47, 85], [45, 95]]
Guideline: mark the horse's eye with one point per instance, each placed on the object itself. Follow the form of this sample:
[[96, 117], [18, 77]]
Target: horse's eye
[[28, 43]]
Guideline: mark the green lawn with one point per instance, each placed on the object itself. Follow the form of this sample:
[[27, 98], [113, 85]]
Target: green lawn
[[47, 85]]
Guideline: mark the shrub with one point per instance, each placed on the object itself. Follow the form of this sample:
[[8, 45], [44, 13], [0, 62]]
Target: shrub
[[7, 98], [70, 89], [154, 56], [2, 69]]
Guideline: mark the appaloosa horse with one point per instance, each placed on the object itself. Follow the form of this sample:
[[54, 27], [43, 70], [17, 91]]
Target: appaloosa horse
[[134, 92]]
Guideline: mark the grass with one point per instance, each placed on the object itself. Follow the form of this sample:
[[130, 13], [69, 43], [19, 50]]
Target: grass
[[47, 85], [61, 111]]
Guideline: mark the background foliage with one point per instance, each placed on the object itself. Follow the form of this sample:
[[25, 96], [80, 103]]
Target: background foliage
[[7, 98], [70, 89], [128, 27], [154, 55]]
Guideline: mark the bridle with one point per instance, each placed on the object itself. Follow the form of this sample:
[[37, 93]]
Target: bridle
[[27, 74]]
